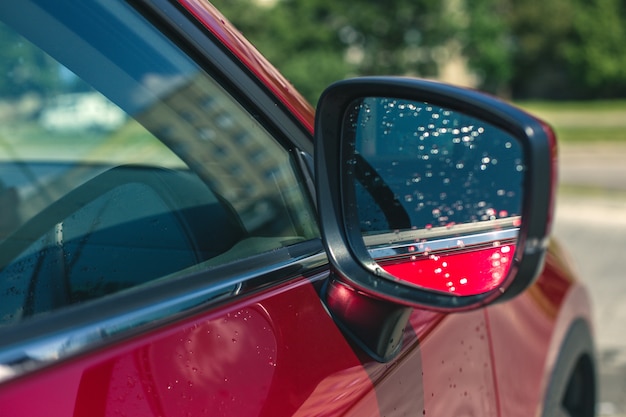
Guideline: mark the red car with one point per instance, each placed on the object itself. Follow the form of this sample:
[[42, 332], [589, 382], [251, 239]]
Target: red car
[[181, 235]]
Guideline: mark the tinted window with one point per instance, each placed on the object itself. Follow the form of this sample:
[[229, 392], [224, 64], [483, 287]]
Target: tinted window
[[122, 162]]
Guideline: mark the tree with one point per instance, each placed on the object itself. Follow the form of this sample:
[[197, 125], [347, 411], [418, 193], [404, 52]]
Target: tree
[[597, 47], [316, 42], [299, 37], [557, 49], [487, 42], [568, 49]]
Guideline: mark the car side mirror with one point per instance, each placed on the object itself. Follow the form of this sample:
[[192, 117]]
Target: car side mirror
[[431, 195]]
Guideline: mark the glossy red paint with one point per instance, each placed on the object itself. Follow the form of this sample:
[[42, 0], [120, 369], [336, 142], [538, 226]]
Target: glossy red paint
[[457, 366], [231, 38], [463, 273], [444, 367], [275, 354], [527, 334]]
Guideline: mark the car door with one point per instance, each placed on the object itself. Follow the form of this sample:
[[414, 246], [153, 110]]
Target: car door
[[159, 251]]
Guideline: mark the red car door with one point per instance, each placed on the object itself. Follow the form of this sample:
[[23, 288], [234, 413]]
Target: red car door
[[274, 354], [166, 259]]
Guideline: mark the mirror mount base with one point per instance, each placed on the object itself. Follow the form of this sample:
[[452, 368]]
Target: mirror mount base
[[375, 325]]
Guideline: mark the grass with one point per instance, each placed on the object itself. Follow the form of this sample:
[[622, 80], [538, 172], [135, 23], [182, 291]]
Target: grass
[[568, 106], [590, 192], [583, 122]]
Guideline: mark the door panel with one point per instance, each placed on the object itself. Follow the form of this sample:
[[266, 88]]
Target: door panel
[[275, 354], [458, 378]]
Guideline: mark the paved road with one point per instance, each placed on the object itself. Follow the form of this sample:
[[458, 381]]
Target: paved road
[[599, 166], [591, 222]]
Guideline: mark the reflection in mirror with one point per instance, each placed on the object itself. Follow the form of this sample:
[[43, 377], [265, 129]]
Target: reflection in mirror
[[438, 193]]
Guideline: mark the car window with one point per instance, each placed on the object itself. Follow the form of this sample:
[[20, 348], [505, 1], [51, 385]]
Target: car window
[[122, 162]]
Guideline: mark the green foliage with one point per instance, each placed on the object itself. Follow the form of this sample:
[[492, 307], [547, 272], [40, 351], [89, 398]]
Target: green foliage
[[597, 48], [299, 37], [569, 49], [488, 44], [558, 49], [315, 42]]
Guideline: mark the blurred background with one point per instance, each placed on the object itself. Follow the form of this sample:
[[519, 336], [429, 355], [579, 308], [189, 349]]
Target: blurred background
[[563, 60]]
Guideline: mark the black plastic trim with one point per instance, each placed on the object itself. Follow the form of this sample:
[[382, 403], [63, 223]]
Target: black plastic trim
[[376, 326], [342, 236]]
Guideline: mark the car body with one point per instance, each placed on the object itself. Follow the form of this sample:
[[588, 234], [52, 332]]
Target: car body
[[234, 304]]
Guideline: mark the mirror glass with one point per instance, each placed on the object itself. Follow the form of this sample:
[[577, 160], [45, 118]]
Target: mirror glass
[[437, 193]]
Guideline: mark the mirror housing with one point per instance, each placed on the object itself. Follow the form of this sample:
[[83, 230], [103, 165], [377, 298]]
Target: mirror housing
[[405, 260]]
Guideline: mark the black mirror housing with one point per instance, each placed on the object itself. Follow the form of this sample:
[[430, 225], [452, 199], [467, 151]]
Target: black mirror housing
[[444, 204]]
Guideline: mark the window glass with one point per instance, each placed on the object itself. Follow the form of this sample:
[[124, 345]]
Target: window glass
[[122, 162]]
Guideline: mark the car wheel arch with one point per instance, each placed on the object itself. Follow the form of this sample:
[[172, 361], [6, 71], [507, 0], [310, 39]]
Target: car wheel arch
[[572, 384]]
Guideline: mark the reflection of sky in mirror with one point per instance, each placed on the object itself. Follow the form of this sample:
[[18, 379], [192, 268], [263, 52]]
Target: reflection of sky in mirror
[[441, 166]]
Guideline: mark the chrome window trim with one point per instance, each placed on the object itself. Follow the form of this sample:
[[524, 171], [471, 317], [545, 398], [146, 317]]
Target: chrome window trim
[[466, 242], [459, 237], [45, 348]]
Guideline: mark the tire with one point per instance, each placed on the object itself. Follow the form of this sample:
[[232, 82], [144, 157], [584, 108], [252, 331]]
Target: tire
[[573, 384]]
